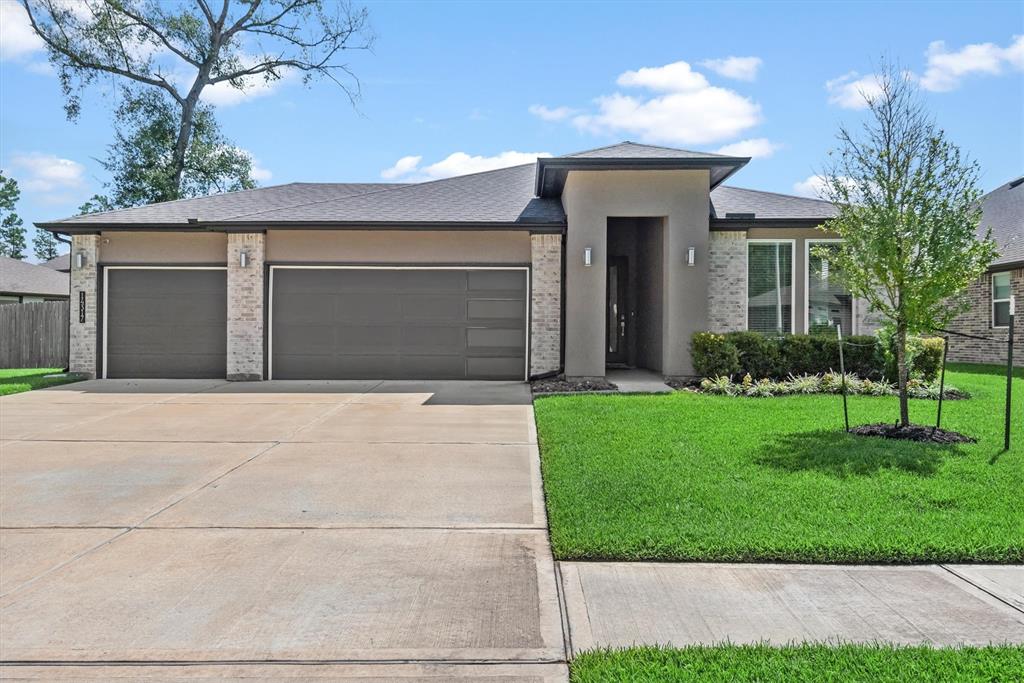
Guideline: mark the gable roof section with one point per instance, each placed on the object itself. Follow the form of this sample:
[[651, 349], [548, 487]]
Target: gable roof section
[[632, 150], [765, 206], [61, 263], [19, 277], [1003, 214]]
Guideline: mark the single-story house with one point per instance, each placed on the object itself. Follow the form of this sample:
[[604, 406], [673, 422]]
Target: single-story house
[[22, 282], [610, 257], [989, 314], [60, 263]]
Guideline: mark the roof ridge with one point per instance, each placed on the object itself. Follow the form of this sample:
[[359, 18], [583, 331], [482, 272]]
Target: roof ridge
[[644, 144], [777, 194]]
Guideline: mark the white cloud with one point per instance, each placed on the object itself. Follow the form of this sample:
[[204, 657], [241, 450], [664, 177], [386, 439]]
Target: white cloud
[[687, 110], [403, 166], [852, 91], [759, 148], [740, 68], [39, 172], [17, 39], [551, 114], [408, 168], [812, 186], [945, 70], [224, 94]]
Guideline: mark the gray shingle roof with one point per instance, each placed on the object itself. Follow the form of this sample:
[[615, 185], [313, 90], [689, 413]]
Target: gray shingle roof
[[19, 277], [767, 205], [632, 150], [61, 263], [1003, 214]]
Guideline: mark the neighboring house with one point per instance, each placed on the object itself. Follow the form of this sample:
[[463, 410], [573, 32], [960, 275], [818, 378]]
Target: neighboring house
[[614, 256], [22, 282], [60, 263], [988, 316]]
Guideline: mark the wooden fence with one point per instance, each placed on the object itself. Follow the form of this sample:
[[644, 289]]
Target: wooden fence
[[34, 335]]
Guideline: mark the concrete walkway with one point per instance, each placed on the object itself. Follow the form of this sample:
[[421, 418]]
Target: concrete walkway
[[623, 604], [304, 530], [638, 381]]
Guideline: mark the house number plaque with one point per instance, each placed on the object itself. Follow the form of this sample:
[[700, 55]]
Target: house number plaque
[[81, 307]]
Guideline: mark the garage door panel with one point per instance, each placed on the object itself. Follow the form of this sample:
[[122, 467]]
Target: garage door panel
[[394, 323], [166, 323]]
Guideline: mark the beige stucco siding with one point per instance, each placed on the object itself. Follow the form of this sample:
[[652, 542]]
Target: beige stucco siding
[[398, 246], [163, 248]]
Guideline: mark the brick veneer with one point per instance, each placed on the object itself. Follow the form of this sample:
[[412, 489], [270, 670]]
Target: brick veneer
[[727, 281], [977, 320], [82, 353], [546, 303], [245, 307]]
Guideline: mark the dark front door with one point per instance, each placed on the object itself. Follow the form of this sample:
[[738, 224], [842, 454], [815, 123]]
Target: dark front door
[[616, 314]]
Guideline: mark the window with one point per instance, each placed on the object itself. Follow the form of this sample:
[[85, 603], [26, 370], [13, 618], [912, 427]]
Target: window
[[828, 303], [1001, 299], [770, 286]]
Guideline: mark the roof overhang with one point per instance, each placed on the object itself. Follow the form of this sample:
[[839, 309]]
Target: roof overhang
[[552, 172], [732, 224]]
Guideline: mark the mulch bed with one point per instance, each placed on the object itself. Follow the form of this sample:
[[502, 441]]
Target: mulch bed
[[561, 386], [683, 384], [912, 433]]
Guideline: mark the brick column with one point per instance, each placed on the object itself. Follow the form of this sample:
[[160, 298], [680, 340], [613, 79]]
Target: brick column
[[245, 307], [545, 303], [727, 281], [82, 352]]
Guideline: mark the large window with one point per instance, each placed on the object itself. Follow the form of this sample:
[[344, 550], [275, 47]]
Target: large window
[[828, 303], [1001, 300], [770, 286]]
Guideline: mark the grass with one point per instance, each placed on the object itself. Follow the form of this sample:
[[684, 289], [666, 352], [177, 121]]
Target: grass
[[807, 662], [27, 379], [695, 477]]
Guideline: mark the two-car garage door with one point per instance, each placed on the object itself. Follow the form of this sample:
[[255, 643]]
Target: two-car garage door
[[398, 323], [325, 322]]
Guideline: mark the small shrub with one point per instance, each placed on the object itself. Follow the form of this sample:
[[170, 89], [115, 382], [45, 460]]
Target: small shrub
[[764, 388], [759, 355], [924, 355], [804, 384], [720, 385], [928, 361], [713, 356]]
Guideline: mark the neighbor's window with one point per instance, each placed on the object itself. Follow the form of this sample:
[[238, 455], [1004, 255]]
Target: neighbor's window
[[770, 286], [1000, 300], [828, 303]]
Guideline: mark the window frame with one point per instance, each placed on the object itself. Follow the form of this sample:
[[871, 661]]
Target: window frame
[[792, 279], [807, 285], [993, 300]]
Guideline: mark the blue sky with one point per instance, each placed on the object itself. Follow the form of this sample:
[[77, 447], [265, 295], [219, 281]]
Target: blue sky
[[512, 79]]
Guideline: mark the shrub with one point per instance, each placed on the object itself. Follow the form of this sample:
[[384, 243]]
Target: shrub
[[924, 355], [827, 383], [928, 361], [713, 357], [759, 354]]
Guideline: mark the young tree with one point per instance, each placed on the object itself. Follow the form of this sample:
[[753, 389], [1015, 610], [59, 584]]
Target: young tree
[[181, 49], [44, 245], [12, 232], [908, 215]]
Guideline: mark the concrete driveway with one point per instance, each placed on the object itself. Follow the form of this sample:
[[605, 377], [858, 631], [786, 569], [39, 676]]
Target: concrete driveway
[[279, 529]]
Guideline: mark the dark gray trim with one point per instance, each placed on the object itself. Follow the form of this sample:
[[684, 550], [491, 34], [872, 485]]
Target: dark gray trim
[[134, 264], [733, 224], [263, 226], [1002, 267], [403, 264], [551, 172]]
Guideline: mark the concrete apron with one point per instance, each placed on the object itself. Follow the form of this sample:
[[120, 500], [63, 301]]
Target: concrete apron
[[362, 529]]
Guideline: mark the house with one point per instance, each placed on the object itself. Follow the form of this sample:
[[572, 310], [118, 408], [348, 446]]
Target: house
[[22, 282], [610, 257], [989, 312], [60, 263]]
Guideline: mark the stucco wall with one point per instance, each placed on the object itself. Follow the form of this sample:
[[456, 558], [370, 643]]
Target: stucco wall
[[398, 246], [205, 248], [977, 321], [589, 199]]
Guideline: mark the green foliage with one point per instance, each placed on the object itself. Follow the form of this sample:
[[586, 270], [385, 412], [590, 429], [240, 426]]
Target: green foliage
[[712, 357], [26, 379], [96, 204], [12, 232], [827, 383], [799, 663], [44, 245], [759, 354], [923, 355]]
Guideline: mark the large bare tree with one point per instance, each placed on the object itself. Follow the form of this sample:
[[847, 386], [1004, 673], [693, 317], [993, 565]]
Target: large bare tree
[[182, 47]]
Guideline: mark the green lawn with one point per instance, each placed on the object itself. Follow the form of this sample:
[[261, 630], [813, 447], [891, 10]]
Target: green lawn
[[696, 477], [809, 662], [27, 379]]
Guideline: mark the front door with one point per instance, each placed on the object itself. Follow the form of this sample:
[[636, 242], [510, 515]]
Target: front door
[[616, 315]]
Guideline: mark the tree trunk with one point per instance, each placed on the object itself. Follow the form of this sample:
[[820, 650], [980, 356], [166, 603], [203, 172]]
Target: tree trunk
[[902, 371], [188, 110]]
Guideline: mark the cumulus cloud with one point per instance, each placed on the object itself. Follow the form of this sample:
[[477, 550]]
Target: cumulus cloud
[[408, 168], [758, 148], [39, 172], [740, 68], [551, 114], [17, 39], [685, 109], [852, 90], [224, 94], [812, 186], [945, 70]]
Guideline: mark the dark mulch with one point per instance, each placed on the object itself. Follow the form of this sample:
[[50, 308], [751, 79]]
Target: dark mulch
[[561, 386], [912, 433], [683, 384]]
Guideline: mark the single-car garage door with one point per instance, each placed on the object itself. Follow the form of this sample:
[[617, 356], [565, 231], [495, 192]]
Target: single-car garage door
[[165, 322], [387, 323]]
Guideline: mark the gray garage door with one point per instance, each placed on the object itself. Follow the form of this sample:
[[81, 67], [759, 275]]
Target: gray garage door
[[398, 324], [166, 323]]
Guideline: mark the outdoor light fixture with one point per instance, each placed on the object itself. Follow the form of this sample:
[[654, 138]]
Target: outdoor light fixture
[[588, 259], [79, 260], [243, 259], [691, 256]]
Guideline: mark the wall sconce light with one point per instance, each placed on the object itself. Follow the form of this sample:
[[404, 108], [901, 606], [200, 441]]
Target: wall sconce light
[[79, 260], [691, 256], [588, 257], [243, 259]]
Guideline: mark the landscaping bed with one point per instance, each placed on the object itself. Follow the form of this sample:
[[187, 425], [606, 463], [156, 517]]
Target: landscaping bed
[[691, 476], [806, 662], [26, 379], [557, 385]]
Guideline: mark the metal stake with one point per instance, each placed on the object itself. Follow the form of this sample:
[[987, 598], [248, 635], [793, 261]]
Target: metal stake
[[842, 371], [942, 381], [1009, 377]]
